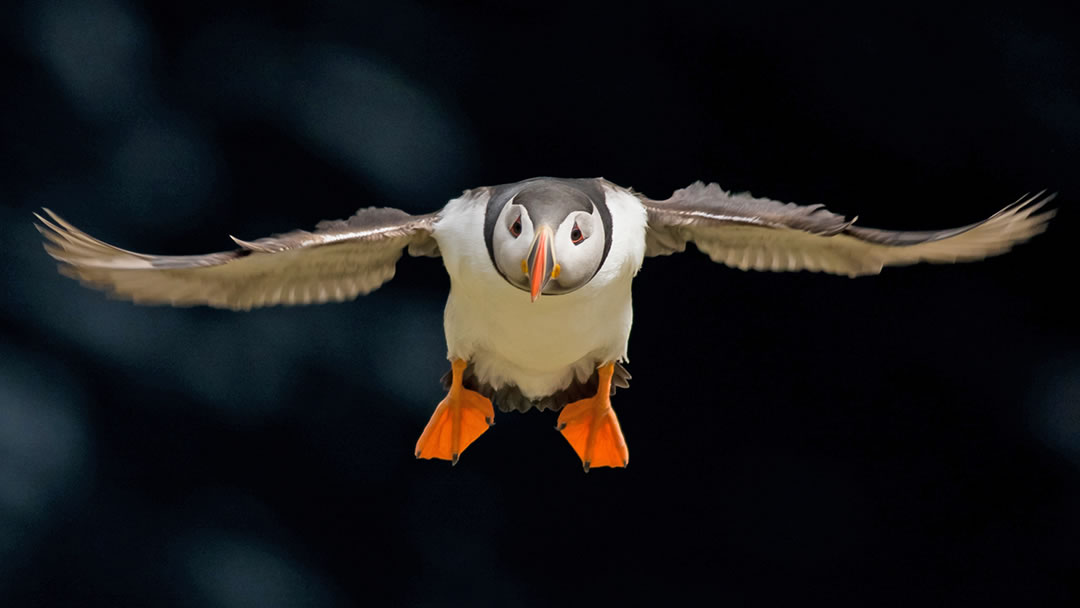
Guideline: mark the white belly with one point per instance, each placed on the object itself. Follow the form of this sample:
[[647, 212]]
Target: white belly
[[541, 346]]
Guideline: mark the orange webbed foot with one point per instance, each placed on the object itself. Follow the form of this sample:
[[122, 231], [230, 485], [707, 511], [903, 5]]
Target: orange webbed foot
[[591, 427], [458, 421]]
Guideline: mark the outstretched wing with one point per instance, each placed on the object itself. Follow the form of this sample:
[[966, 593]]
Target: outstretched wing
[[338, 261], [760, 234]]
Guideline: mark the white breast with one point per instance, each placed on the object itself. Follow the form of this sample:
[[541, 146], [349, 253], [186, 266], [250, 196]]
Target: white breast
[[537, 346]]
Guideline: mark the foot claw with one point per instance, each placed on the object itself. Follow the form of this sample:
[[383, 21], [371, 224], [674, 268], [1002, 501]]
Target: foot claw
[[585, 466], [454, 459]]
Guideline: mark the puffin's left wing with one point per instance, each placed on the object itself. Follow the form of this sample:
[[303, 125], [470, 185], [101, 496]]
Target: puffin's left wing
[[337, 261], [760, 234]]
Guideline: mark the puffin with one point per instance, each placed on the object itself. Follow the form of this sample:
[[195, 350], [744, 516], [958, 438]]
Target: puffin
[[539, 310]]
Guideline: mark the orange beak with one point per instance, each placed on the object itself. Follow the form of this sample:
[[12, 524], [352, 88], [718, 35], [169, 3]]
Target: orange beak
[[541, 262]]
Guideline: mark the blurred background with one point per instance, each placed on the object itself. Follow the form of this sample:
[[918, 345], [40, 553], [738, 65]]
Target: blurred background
[[906, 439]]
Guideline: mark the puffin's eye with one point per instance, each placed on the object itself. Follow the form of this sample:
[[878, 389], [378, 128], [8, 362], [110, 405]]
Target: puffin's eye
[[575, 235], [515, 228]]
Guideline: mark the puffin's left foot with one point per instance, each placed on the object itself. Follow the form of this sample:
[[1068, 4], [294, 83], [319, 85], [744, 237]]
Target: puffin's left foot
[[459, 420], [593, 430]]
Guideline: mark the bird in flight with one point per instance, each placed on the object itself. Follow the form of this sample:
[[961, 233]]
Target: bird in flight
[[539, 311]]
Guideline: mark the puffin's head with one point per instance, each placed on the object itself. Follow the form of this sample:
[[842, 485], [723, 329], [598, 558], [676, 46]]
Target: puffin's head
[[548, 236]]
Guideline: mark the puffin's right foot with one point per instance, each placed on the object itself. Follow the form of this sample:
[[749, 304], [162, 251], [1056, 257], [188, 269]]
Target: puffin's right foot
[[459, 420]]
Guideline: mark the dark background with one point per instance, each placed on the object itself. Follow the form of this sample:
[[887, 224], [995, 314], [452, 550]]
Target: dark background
[[907, 439]]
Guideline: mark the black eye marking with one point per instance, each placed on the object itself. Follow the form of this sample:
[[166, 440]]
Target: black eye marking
[[575, 235], [515, 228]]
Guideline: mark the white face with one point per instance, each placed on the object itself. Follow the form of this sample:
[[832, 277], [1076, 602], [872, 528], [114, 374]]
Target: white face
[[573, 249]]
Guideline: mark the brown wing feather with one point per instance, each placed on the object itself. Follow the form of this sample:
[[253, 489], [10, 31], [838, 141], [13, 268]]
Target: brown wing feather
[[338, 261], [760, 234]]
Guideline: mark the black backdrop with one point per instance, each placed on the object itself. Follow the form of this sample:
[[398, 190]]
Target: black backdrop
[[905, 439]]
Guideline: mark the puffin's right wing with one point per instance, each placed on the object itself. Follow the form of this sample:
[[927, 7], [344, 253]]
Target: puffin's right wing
[[338, 261], [760, 234]]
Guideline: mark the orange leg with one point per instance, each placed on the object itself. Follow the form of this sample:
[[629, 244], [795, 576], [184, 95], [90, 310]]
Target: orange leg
[[459, 420], [593, 430]]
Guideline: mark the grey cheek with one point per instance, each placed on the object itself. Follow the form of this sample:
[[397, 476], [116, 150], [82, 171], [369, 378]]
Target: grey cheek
[[567, 283]]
